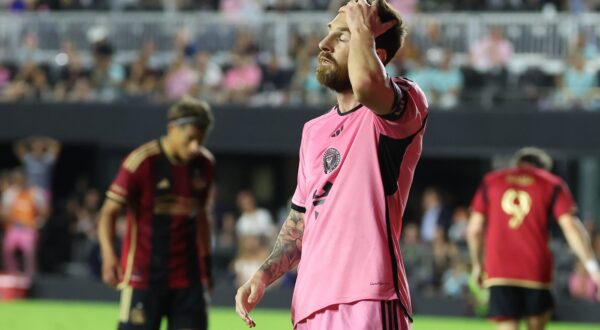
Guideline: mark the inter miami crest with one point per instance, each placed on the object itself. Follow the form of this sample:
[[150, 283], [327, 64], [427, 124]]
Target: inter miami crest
[[331, 160]]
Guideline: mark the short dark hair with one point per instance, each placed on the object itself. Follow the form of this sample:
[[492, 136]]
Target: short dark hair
[[534, 156], [193, 112], [393, 39]]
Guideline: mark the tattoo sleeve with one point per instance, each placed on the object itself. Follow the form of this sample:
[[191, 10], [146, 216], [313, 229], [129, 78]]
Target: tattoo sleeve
[[287, 250]]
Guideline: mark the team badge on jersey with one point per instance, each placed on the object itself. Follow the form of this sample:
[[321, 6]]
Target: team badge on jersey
[[331, 160]]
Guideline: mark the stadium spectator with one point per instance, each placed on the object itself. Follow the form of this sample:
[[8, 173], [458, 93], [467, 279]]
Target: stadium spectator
[[492, 53], [242, 79], [106, 75], [444, 253], [150, 58], [179, 80], [253, 221], [29, 50], [24, 210], [38, 155], [135, 80], [458, 230], [489, 57], [584, 45], [579, 86], [69, 77], [273, 89], [435, 215], [208, 77], [446, 83], [409, 56], [456, 279], [234, 10], [421, 73], [433, 40], [581, 284], [5, 76], [30, 83], [418, 259]]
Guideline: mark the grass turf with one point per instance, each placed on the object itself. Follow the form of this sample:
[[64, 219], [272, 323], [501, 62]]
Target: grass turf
[[54, 315]]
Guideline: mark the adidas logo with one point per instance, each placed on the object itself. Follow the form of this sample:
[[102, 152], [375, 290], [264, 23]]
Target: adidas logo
[[337, 132], [163, 184]]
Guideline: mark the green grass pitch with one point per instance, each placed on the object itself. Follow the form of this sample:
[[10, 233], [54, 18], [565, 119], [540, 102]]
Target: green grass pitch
[[54, 315]]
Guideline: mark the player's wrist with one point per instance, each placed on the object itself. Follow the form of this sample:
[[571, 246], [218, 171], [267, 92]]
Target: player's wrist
[[592, 266], [261, 276], [108, 254]]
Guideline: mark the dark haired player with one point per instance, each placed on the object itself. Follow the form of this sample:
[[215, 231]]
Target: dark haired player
[[165, 262]]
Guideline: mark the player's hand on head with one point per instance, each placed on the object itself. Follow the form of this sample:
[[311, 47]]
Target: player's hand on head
[[247, 297], [360, 13], [111, 271]]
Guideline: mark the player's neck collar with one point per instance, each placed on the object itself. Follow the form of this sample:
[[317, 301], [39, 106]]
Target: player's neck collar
[[337, 108], [167, 151]]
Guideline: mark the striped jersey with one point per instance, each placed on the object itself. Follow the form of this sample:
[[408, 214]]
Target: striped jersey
[[164, 202], [354, 176]]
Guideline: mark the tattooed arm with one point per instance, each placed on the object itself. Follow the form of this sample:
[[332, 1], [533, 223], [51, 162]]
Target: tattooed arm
[[287, 250], [284, 257]]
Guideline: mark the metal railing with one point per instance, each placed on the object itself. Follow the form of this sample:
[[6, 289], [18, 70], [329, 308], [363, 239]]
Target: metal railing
[[531, 33]]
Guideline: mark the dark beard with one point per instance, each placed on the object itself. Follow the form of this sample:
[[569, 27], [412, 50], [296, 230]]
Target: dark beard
[[333, 77]]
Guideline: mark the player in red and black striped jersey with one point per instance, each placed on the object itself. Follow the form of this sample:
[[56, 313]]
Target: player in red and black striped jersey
[[512, 208], [165, 187]]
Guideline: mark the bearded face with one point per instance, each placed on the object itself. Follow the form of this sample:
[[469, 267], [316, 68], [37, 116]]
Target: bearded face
[[331, 74]]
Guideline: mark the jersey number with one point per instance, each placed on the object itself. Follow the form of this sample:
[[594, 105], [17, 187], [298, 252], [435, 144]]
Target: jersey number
[[517, 204], [319, 199]]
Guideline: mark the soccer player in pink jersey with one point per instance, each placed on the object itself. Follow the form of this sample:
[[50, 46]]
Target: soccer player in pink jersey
[[355, 171]]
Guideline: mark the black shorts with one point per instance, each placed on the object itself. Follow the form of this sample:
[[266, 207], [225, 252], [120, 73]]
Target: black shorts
[[143, 309], [513, 303]]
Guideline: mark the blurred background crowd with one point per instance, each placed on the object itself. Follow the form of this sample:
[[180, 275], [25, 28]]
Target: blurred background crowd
[[408, 6], [250, 54]]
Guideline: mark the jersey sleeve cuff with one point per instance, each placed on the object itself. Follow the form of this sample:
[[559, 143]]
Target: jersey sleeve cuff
[[116, 197], [298, 208], [399, 103]]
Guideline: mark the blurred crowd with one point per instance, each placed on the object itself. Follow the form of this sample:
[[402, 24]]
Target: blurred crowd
[[251, 77], [42, 234], [295, 5]]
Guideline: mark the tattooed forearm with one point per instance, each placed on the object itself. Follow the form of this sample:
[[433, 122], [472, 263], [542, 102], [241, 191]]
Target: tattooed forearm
[[287, 249]]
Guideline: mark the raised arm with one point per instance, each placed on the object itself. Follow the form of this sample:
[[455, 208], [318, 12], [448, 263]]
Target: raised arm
[[20, 149], [284, 257], [53, 146], [579, 241], [370, 83]]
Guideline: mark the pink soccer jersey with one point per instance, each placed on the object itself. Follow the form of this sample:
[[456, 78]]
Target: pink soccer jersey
[[354, 175]]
